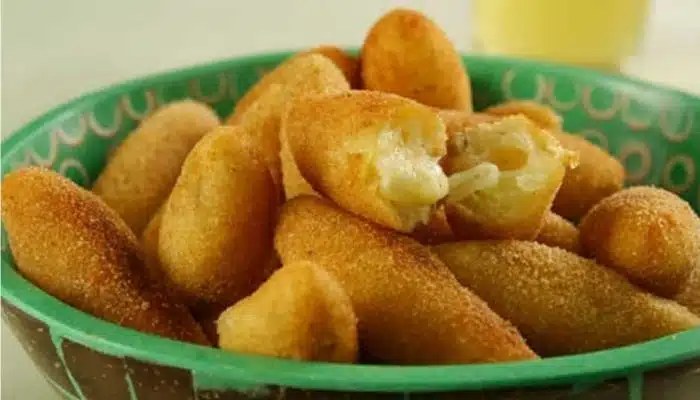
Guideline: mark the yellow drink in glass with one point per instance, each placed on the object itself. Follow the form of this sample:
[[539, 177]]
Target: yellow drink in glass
[[594, 33]]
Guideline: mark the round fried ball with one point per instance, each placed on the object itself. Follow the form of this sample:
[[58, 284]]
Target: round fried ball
[[648, 234]]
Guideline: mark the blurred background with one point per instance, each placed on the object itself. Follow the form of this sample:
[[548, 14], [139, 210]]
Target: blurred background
[[55, 50]]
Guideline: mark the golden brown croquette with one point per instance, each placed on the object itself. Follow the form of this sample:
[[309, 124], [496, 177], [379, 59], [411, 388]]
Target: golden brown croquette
[[648, 234], [375, 154], [141, 172], [561, 302], [597, 176], [311, 71], [69, 243], [408, 54], [410, 308], [308, 75], [217, 225], [300, 313]]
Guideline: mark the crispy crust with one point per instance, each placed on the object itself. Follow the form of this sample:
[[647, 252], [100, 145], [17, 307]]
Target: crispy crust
[[538, 113], [310, 72], [648, 234], [334, 139], [216, 230], [598, 175], [306, 75], [562, 303], [141, 172], [558, 232], [73, 246], [347, 63], [404, 297], [408, 54], [300, 313]]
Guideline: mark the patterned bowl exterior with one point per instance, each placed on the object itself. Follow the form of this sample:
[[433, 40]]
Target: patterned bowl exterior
[[654, 131]]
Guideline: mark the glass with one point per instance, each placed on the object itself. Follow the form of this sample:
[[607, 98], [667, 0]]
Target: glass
[[593, 33]]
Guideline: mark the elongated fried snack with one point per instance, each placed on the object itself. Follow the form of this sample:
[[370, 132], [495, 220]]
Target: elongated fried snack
[[648, 234], [217, 225], [141, 172], [410, 308], [314, 75], [345, 62], [306, 70], [689, 295], [538, 113], [503, 177], [375, 154], [561, 302], [300, 313], [558, 232], [408, 54], [73, 246], [597, 176]]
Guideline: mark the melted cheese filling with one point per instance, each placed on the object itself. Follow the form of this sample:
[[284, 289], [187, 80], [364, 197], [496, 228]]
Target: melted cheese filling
[[506, 151], [463, 184], [407, 173]]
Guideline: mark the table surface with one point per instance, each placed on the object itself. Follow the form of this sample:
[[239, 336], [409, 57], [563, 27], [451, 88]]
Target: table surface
[[74, 46]]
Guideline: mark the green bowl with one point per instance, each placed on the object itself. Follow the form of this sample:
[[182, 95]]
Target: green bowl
[[649, 128]]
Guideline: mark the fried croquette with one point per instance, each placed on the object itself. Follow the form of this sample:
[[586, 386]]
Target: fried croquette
[[300, 313], [217, 225], [408, 54], [345, 62], [315, 75], [69, 243], [503, 177], [313, 71], [558, 232], [375, 154], [689, 295], [562, 303], [597, 176], [410, 308], [142, 171], [648, 234], [538, 113]]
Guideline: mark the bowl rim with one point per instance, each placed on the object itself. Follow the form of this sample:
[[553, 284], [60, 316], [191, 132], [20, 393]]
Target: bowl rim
[[223, 366]]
